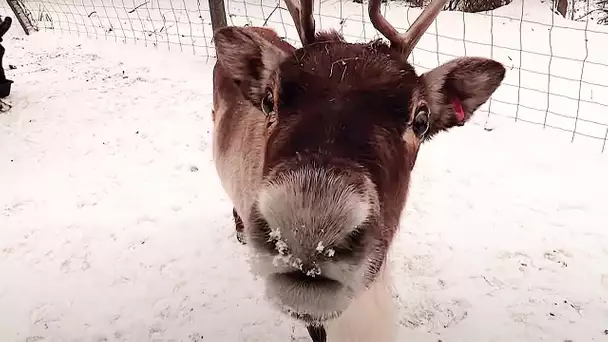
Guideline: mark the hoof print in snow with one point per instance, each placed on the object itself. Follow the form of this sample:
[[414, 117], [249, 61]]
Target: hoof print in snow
[[196, 337], [557, 256], [34, 339]]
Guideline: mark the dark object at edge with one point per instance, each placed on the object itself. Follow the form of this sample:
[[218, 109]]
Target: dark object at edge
[[317, 333], [5, 84]]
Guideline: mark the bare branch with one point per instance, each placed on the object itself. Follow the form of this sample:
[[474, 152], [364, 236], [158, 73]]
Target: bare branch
[[137, 7]]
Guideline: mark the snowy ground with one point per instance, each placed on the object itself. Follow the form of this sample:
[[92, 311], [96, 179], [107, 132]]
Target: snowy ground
[[113, 226]]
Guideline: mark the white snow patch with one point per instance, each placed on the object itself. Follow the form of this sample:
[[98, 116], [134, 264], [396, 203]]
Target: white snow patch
[[281, 247], [314, 271], [320, 247], [275, 234]]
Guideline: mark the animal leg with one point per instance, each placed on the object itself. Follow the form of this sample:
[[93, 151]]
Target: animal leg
[[317, 333], [240, 228]]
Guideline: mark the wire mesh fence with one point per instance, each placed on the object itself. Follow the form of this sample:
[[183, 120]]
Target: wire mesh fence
[[174, 24], [556, 66]]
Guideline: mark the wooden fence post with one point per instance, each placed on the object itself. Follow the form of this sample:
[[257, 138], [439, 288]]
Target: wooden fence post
[[218, 14]]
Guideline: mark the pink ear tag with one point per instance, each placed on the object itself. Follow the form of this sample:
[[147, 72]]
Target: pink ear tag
[[458, 109]]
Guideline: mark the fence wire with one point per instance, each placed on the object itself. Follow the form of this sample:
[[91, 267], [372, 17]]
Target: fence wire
[[174, 24], [556, 67]]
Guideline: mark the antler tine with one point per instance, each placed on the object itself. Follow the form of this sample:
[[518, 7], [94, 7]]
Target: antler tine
[[303, 19], [307, 21], [405, 42], [381, 24]]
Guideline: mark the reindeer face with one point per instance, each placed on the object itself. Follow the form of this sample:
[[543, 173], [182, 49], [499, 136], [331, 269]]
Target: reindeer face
[[339, 113], [344, 123]]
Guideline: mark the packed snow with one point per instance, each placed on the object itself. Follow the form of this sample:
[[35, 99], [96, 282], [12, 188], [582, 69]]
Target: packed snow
[[114, 227]]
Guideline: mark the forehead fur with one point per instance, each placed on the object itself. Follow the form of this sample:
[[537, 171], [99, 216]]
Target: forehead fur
[[331, 69]]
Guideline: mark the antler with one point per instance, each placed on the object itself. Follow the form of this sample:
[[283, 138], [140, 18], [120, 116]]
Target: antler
[[405, 42], [302, 17]]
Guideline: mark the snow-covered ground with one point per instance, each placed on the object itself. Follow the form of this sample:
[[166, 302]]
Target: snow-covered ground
[[113, 225]]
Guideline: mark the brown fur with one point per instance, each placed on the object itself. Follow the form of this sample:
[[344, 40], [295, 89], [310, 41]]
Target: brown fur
[[348, 112]]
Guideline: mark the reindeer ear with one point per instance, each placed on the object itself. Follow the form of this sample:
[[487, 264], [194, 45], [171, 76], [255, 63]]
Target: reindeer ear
[[248, 59], [457, 88]]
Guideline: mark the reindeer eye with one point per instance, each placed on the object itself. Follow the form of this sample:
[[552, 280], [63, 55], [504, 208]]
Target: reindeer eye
[[421, 121], [268, 104]]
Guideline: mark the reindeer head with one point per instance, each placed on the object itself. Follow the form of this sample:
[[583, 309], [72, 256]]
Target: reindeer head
[[343, 124]]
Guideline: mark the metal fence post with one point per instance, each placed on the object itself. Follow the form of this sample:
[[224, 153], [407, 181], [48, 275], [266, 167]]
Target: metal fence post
[[218, 14], [18, 8]]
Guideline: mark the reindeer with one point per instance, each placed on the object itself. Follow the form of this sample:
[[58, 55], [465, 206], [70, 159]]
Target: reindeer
[[315, 146]]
